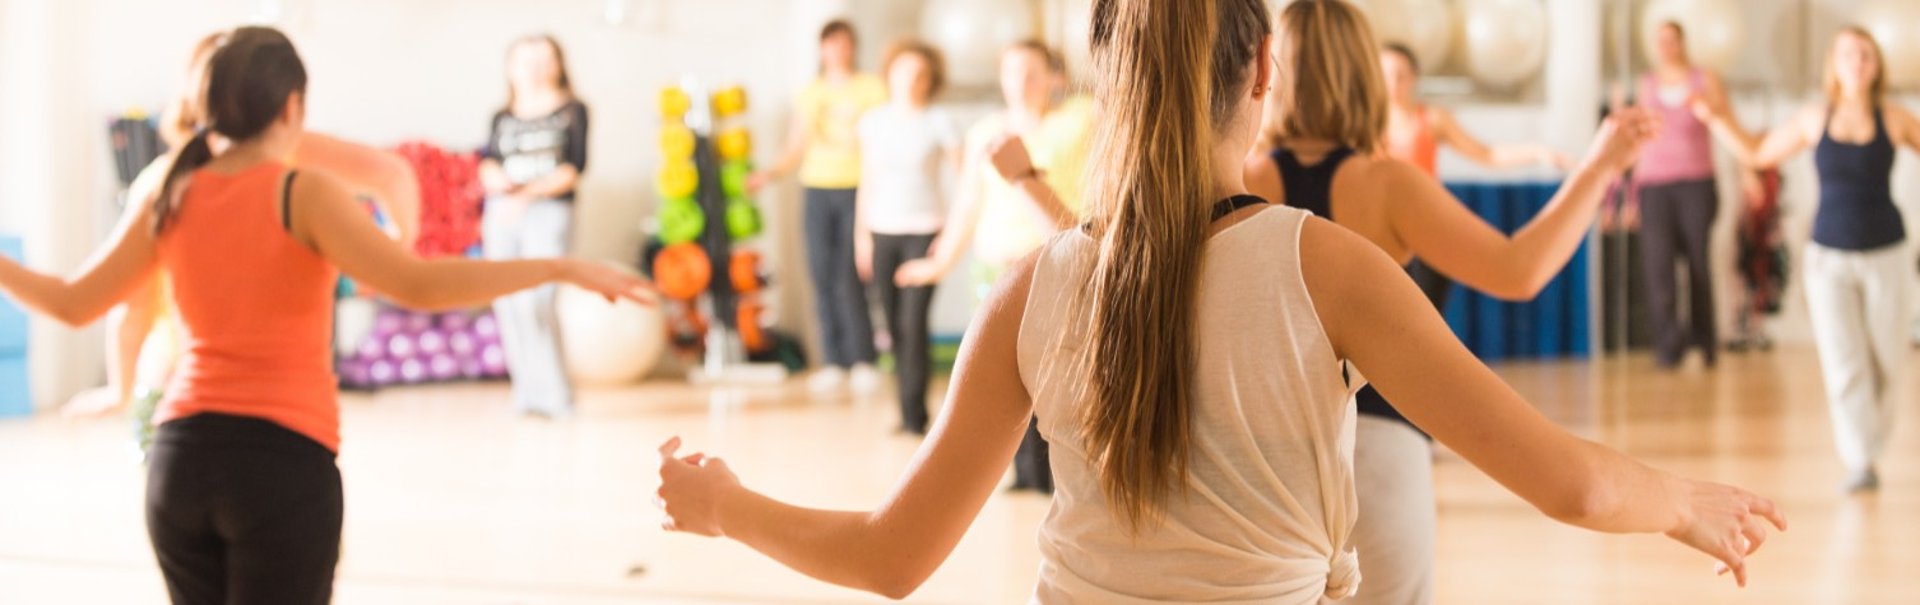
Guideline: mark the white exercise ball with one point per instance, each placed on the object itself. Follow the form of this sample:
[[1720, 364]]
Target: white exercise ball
[[1714, 30], [1505, 40], [1424, 26], [1895, 24], [973, 32], [608, 344]]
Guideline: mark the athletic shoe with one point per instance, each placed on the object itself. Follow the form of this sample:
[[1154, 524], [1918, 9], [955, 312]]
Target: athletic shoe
[[864, 379], [1863, 481], [827, 379]]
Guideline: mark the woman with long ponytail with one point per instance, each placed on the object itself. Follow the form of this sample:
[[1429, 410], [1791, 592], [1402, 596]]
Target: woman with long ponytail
[[244, 500], [1186, 364]]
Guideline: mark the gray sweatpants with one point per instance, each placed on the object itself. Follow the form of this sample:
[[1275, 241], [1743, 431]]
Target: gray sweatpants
[[529, 327]]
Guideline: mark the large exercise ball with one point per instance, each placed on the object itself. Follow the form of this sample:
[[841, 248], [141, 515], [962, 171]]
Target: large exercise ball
[[1714, 28], [1424, 26], [1505, 40], [973, 32], [608, 344], [1895, 24]]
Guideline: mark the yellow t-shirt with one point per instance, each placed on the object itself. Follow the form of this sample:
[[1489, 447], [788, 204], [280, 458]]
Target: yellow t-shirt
[[1009, 226], [832, 115]]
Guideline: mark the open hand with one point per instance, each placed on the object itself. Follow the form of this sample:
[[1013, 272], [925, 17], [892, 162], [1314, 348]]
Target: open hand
[[1727, 523], [691, 489], [607, 281], [1621, 138], [93, 403]]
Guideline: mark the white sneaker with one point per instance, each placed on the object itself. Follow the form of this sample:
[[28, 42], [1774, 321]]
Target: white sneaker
[[827, 379], [865, 379]]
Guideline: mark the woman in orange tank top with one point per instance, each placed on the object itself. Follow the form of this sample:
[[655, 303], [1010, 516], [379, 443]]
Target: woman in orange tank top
[[243, 497], [381, 175], [1415, 130]]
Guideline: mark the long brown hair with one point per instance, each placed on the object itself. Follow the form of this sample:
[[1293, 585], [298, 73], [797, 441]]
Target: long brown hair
[[562, 81], [1830, 80], [244, 88], [1167, 83], [1328, 84]]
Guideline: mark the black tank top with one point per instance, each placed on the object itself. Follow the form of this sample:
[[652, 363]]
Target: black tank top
[[1310, 188], [1856, 194]]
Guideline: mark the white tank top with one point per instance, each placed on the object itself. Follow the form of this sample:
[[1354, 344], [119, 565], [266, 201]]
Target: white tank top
[[1268, 505]]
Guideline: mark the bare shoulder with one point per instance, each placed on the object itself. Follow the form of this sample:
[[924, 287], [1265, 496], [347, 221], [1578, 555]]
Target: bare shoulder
[[1347, 272]]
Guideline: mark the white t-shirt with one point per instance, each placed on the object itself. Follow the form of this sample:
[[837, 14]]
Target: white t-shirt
[[901, 151]]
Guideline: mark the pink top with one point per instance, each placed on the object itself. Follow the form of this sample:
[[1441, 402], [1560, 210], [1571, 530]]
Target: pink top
[[1684, 149]]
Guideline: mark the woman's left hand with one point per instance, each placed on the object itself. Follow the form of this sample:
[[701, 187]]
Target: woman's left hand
[[691, 490]]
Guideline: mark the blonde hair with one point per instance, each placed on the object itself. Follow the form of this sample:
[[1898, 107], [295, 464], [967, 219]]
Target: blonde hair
[[1830, 81], [1329, 84], [1167, 82]]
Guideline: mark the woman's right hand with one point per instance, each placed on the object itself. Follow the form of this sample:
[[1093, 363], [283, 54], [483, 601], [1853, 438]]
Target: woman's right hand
[[493, 179], [607, 281], [1617, 146], [1726, 522]]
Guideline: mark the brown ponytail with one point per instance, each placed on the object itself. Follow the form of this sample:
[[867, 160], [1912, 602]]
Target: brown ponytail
[[243, 90], [1167, 82]]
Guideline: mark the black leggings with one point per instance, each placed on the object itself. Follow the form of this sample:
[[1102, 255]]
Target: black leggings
[[846, 330], [907, 311], [1675, 222], [241, 511]]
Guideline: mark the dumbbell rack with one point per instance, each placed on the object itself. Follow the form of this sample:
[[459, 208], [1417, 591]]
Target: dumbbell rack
[[725, 359]]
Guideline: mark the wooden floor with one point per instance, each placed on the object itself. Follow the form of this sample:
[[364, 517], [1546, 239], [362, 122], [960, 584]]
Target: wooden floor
[[452, 500]]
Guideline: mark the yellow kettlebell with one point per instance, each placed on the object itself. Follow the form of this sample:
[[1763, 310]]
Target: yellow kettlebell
[[676, 142], [674, 103], [677, 179], [734, 144], [730, 102]]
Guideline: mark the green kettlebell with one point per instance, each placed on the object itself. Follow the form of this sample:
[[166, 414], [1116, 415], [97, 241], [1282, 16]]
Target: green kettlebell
[[733, 178], [681, 221], [743, 218]]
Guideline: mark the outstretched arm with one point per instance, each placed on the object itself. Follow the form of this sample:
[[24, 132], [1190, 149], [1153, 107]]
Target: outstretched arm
[[326, 218], [1377, 318], [125, 262], [893, 548], [1447, 235], [382, 175], [1452, 133], [1755, 150]]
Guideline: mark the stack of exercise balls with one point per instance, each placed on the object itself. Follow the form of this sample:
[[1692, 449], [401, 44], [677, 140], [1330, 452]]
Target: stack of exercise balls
[[410, 347]]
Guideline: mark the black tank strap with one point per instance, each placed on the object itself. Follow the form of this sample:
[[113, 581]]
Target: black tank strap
[[1227, 207], [286, 201]]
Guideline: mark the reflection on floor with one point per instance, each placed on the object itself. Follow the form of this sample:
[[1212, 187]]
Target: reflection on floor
[[451, 500]]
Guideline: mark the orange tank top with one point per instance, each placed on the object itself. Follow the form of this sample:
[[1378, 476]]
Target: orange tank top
[[255, 305], [1416, 145]]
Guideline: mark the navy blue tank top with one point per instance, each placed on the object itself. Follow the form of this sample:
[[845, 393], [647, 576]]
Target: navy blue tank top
[[1856, 192], [1310, 188]]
